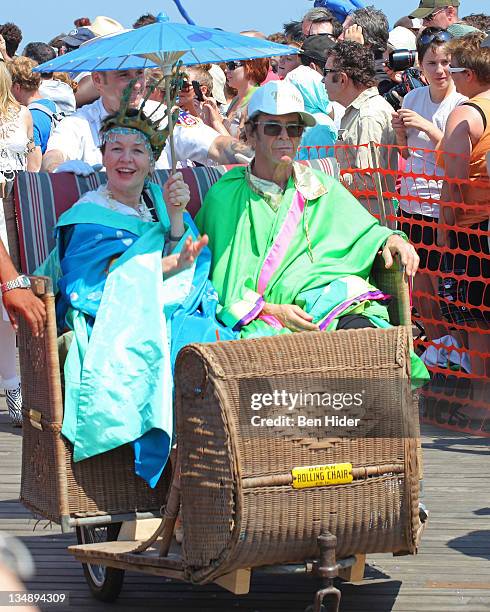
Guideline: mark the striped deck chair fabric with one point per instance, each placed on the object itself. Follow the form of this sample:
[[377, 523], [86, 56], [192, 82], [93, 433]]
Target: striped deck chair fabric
[[40, 198]]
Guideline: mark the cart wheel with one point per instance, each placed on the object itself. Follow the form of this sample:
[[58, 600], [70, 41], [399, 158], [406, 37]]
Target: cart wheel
[[104, 582]]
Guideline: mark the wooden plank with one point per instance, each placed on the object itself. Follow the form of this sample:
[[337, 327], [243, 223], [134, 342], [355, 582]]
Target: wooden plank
[[354, 573], [450, 573], [237, 582], [138, 530]]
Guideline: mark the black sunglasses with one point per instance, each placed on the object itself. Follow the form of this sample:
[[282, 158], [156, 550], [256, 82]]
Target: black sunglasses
[[430, 35], [233, 65], [274, 128], [329, 70]]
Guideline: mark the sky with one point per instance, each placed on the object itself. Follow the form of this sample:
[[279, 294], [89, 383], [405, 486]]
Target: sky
[[41, 21]]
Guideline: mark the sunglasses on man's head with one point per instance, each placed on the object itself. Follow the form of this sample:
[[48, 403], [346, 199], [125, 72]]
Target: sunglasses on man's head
[[274, 128], [430, 35], [233, 65]]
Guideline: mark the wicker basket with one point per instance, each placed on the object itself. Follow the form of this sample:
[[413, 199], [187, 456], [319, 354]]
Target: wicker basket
[[238, 510], [103, 487], [52, 485]]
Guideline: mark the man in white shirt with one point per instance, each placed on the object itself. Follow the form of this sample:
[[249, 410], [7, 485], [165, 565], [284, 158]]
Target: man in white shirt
[[77, 136]]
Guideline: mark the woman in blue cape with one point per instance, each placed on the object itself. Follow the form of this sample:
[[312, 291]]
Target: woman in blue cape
[[134, 289]]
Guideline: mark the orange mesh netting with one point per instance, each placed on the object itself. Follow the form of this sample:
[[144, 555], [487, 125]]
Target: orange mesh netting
[[451, 293]]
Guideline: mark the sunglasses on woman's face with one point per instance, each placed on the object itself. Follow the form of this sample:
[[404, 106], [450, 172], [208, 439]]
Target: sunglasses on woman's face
[[274, 128], [431, 35], [233, 65], [186, 87], [456, 69]]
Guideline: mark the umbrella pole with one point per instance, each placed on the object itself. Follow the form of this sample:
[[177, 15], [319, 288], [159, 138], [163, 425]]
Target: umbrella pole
[[168, 102]]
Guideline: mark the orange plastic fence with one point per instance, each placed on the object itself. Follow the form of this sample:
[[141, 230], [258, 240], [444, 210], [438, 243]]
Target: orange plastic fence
[[406, 189]]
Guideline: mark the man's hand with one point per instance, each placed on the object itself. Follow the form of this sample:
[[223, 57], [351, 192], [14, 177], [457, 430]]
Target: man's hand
[[173, 264], [211, 116], [22, 302], [396, 245], [354, 33], [226, 150], [291, 316], [77, 166]]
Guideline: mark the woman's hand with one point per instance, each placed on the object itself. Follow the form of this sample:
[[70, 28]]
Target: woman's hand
[[173, 264], [411, 119], [397, 123], [176, 194], [291, 316], [400, 134]]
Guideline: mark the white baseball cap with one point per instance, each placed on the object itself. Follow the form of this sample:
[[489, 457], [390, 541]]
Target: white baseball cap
[[279, 98], [219, 81], [402, 38]]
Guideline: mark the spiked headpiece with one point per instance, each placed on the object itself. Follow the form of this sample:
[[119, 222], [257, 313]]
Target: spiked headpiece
[[139, 120]]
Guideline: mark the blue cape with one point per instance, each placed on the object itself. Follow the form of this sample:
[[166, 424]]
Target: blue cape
[[129, 324]]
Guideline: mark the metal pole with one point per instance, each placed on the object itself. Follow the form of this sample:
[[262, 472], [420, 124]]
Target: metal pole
[[168, 102]]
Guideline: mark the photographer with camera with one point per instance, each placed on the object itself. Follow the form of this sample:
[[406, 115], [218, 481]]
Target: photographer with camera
[[401, 62], [399, 38], [420, 124], [399, 65]]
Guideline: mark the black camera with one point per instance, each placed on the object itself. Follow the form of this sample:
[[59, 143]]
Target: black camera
[[403, 60]]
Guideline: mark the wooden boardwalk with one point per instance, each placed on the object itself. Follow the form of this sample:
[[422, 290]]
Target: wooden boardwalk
[[451, 571]]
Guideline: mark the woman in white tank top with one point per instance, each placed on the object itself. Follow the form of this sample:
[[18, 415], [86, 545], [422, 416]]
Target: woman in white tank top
[[420, 124]]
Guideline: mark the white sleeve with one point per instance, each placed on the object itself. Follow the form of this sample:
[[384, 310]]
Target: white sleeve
[[67, 137], [163, 162], [193, 142]]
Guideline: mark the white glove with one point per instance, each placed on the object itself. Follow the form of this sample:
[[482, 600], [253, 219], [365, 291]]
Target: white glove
[[77, 166]]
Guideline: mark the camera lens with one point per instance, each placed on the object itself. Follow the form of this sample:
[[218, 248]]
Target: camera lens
[[401, 59]]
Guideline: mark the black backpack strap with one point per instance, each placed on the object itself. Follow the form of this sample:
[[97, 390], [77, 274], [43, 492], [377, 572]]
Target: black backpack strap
[[480, 110]]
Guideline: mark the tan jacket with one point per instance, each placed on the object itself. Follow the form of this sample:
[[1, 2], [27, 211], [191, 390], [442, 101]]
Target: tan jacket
[[368, 119]]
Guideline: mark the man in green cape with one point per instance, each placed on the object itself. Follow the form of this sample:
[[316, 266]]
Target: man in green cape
[[292, 248]]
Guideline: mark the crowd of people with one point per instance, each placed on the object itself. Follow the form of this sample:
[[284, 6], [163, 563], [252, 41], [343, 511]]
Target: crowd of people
[[420, 92]]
